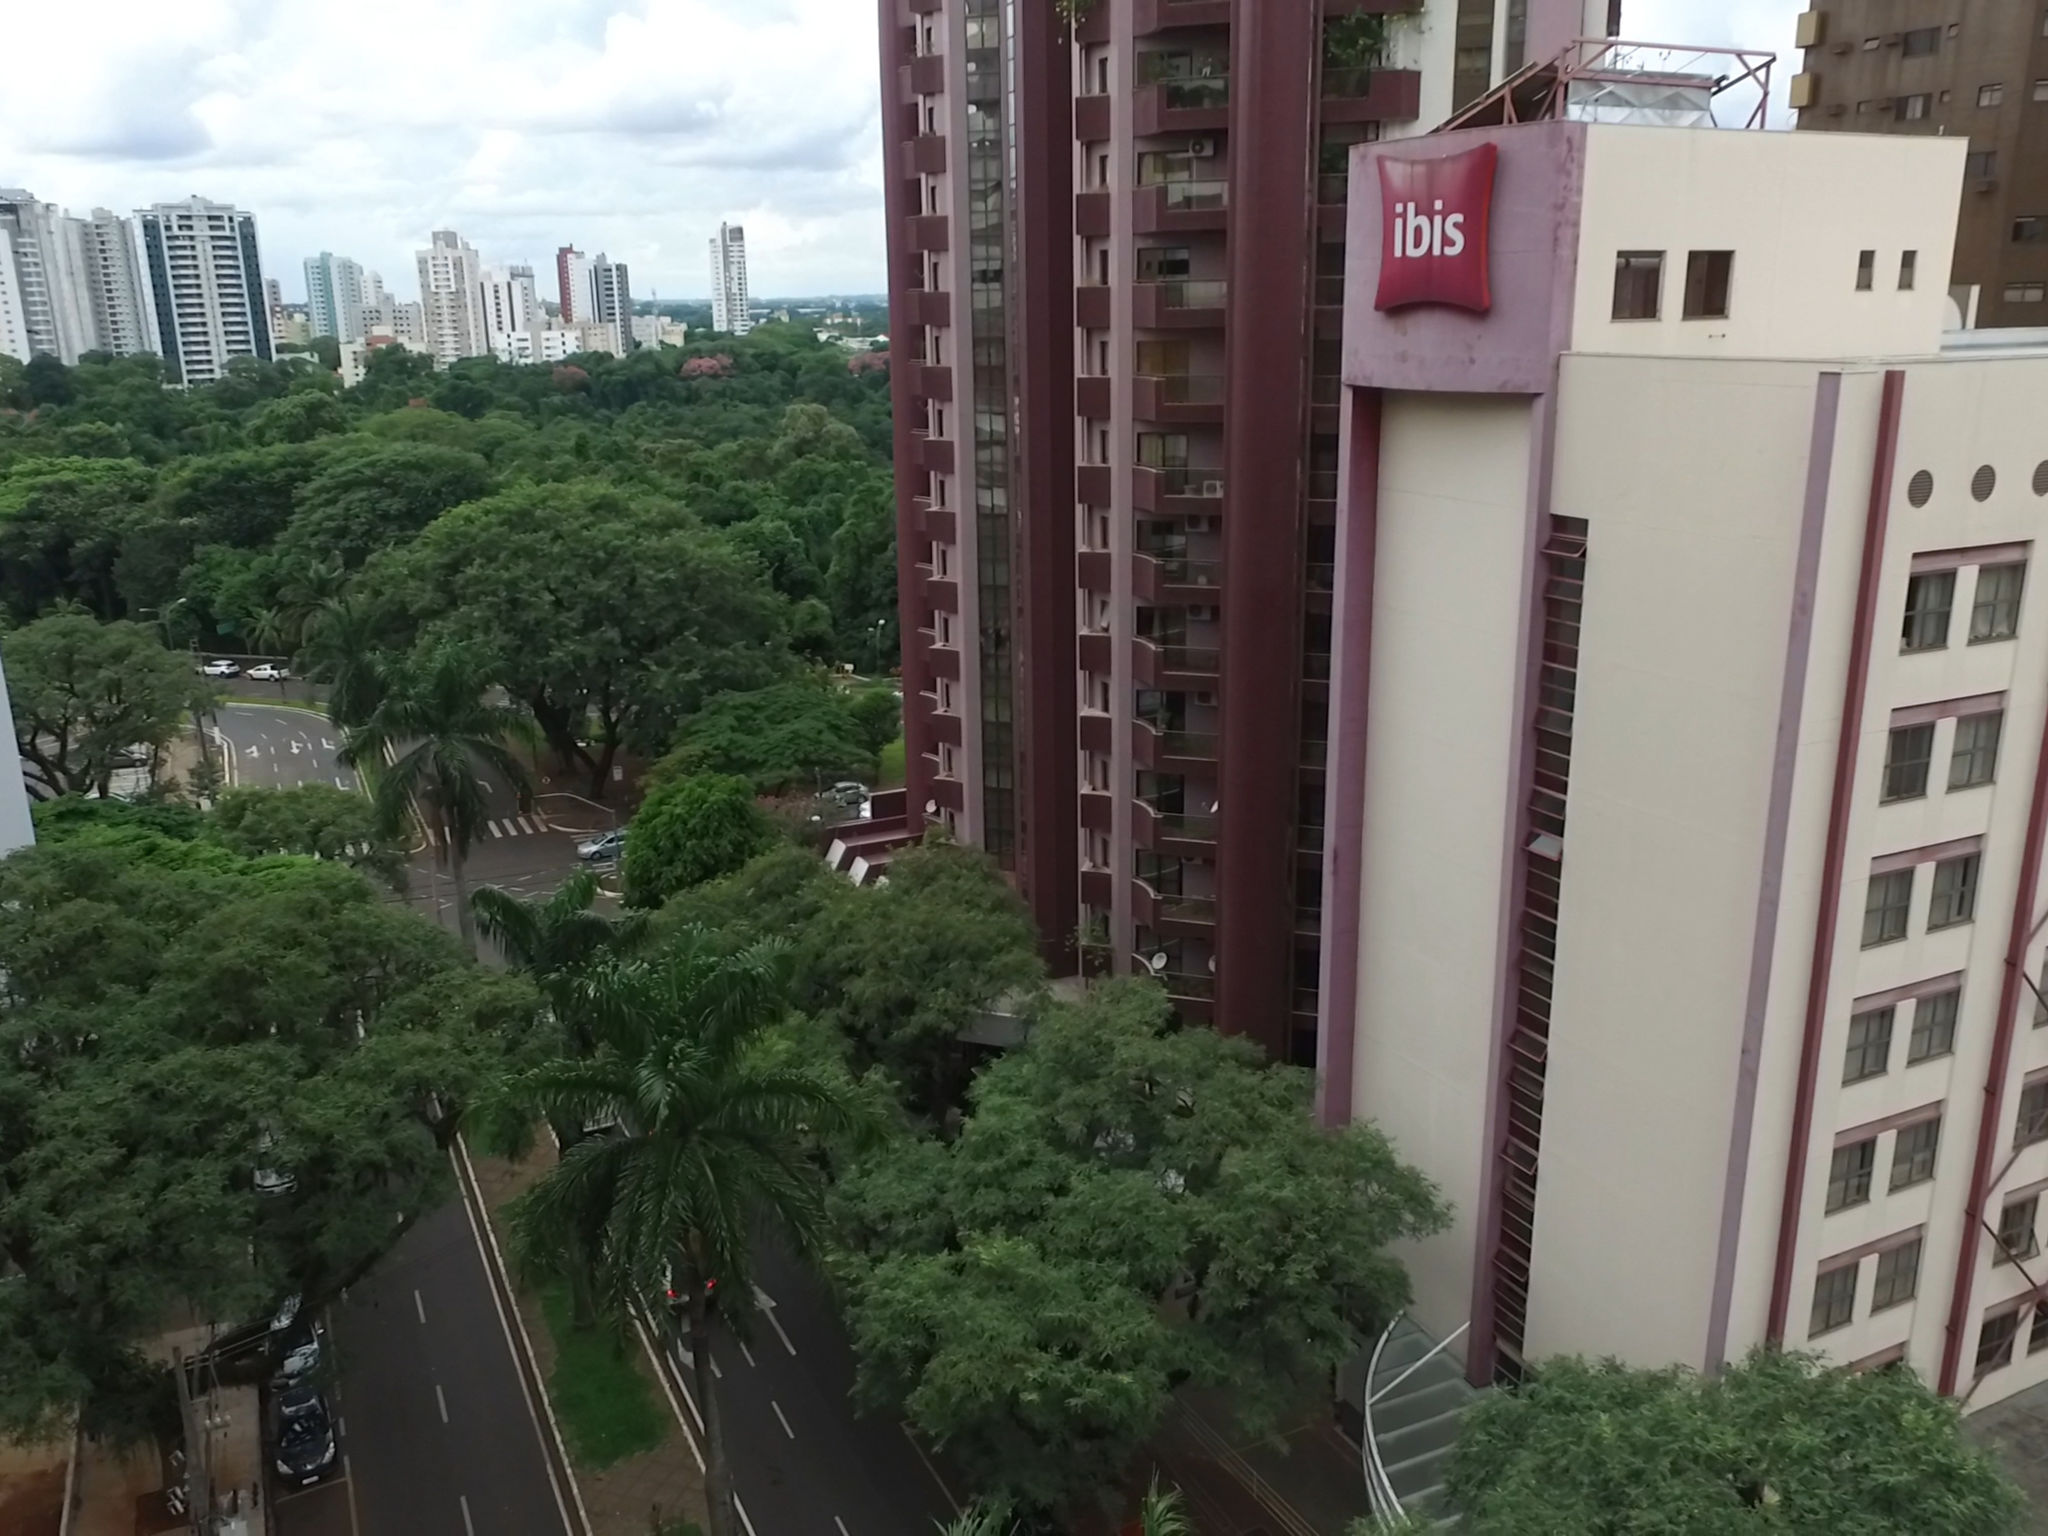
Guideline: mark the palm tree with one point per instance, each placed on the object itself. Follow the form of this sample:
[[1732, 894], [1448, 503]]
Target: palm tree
[[1162, 1512], [338, 640], [426, 743], [978, 1519], [553, 939], [711, 1125]]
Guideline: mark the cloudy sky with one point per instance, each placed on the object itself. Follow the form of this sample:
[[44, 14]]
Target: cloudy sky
[[627, 126]]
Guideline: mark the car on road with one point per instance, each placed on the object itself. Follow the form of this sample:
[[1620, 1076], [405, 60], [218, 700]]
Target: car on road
[[602, 849], [268, 672], [850, 793], [298, 1350], [220, 666], [304, 1447]]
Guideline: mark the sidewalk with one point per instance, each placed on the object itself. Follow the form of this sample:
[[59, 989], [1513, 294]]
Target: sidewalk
[[1309, 1483], [32, 1489]]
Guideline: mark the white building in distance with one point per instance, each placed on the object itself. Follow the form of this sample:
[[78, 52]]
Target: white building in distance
[[203, 298], [729, 281], [334, 296], [451, 299]]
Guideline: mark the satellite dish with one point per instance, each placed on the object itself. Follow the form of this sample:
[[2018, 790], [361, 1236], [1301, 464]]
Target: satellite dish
[[1156, 963], [1212, 965], [931, 807]]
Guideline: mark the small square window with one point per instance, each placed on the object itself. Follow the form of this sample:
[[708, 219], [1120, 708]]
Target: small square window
[[1866, 271], [1898, 1276], [1921, 42], [1934, 1026], [1914, 1152], [1886, 907], [1955, 892], [1638, 284], [1849, 1174], [1912, 109], [1872, 44], [1707, 278], [2041, 90], [1995, 605], [1994, 1341], [1907, 753], [1974, 758], [2030, 229], [1834, 1300], [2025, 293], [1862, 107], [1929, 598], [2016, 1238], [2031, 1124], [1980, 165], [1870, 1045], [1991, 95], [1909, 270]]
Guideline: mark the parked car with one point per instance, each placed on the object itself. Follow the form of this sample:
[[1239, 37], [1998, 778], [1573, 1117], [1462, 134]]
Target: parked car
[[850, 793], [304, 1434], [298, 1350], [220, 666], [602, 849], [268, 672]]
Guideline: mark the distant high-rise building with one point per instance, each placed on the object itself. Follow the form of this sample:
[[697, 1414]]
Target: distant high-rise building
[[451, 296], [574, 284], [47, 276], [113, 284], [614, 300], [512, 313], [334, 296], [13, 306], [729, 281], [204, 299]]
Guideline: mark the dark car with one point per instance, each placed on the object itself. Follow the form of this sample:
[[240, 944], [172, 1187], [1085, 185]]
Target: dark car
[[305, 1436]]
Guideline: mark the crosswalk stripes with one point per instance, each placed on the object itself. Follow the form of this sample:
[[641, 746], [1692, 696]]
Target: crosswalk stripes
[[509, 826]]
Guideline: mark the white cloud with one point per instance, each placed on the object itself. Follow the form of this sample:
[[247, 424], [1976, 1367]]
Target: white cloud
[[628, 126], [1764, 25]]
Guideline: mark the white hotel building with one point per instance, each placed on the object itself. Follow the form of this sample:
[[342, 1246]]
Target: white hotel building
[[1684, 899]]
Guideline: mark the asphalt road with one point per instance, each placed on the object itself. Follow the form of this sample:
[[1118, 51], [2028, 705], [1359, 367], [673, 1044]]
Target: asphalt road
[[274, 746]]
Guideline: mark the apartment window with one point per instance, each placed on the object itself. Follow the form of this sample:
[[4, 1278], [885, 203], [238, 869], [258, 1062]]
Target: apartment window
[[1921, 42], [1886, 906], [1913, 1154], [1995, 605], [1872, 44], [1870, 1045], [2016, 1231], [2032, 1123], [1862, 107], [1909, 268], [1834, 1300], [1638, 284], [2030, 229], [1955, 892], [2025, 293], [1975, 758], [1980, 165], [1929, 598], [2041, 90], [1866, 271], [1906, 756], [2037, 1336], [1991, 95], [1911, 109], [1898, 1276], [1849, 1174], [1994, 1341], [1934, 1026], [1707, 277]]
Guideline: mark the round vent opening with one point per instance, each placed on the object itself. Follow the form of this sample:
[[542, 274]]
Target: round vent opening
[[1984, 482], [2041, 478], [1920, 489]]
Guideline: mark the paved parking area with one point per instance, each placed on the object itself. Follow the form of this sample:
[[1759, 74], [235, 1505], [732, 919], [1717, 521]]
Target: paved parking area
[[2017, 1431], [322, 1511]]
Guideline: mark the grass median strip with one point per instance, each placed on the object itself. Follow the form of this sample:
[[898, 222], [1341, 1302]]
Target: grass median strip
[[606, 1407]]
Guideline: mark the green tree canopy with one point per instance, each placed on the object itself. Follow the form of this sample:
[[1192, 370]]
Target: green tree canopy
[[314, 819], [798, 735], [84, 694], [1779, 1442], [689, 831]]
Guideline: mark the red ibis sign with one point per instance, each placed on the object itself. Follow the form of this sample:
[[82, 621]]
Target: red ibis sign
[[1434, 216]]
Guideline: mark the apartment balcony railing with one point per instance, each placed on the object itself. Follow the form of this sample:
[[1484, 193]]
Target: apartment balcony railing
[[1181, 984], [1190, 910], [1322, 578], [1195, 660], [1154, 744], [1365, 94], [1178, 572], [1176, 303], [1322, 485], [1194, 482], [1175, 207], [1193, 293], [1315, 666], [1178, 397], [1186, 196], [1175, 827]]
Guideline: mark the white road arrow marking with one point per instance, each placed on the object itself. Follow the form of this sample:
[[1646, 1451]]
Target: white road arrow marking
[[254, 751], [766, 1304]]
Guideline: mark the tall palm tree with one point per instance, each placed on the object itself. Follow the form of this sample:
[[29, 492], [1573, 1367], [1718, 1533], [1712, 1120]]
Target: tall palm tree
[[1162, 1512], [338, 641], [712, 1123], [426, 744], [554, 938]]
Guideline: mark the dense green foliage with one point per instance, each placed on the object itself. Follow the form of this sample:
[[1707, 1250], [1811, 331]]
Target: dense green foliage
[[1779, 1442], [87, 696], [690, 831], [801, 736], [175, 1017]]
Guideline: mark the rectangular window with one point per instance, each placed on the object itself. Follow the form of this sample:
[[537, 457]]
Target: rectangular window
[[1638, 284], [1929, 597], [1909, 268], [1707, 278], [1980, 165], [1994, 1342], [2025, 293], [2037, 1336], [2041, 90], [1990, 95], [1995, 606], [1898, 1276], [1913, 1154], [1955, 892], [1911, 109], [1849, 1174], [1934, 1026], [1921, 42], [1834, 1300], [1866, 271], [1870, 1045], [1975, 758], [1906, 756], [2032, 1121], [2016, 1239], [2030, 229], [1886, 906]]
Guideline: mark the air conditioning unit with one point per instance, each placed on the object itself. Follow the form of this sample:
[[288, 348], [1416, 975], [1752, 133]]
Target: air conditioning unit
[[1212, 490], [1201, 149]]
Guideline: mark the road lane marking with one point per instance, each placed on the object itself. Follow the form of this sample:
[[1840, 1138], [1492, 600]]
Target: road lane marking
[[441, 1398], [468, 1524], [747, 1352], [527, 826], [765, 1304], [419, 1306], [340, 782], [957, 1508], [348, 1476], [717, 1372], [782, 1418], [843, 1531]]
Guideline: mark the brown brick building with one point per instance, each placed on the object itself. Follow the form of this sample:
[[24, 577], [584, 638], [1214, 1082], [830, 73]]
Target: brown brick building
[[1971, 69]]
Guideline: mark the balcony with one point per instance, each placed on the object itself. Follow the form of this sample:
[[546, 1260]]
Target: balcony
[[1321, 577], [1320, 484], [1092, 307], [942, 592], [929, 381], [1091, 118], [1092, 485], [1177, 489], [1179, 303], [1184, 398], [940, 660], [1098, 809], [1179, 207], [937, 523], [943, 724], [1098, 888], [1171, 832], [1200, 104], [1091, 213], [1091, 397], [1175, 668], [1172, 580], [1167, 750], [1095, 651], [928, 74], [1364, 95], [1193, 916], [1095, 569], [932, 453], [1098, 732], [931, 306], [927, 155], [1155, 16]]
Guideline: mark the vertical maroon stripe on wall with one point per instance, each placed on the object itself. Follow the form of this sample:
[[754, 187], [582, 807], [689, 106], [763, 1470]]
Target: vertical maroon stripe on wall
[[1273, 53], [1827, 918], [1358, 520], [910, 536]]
